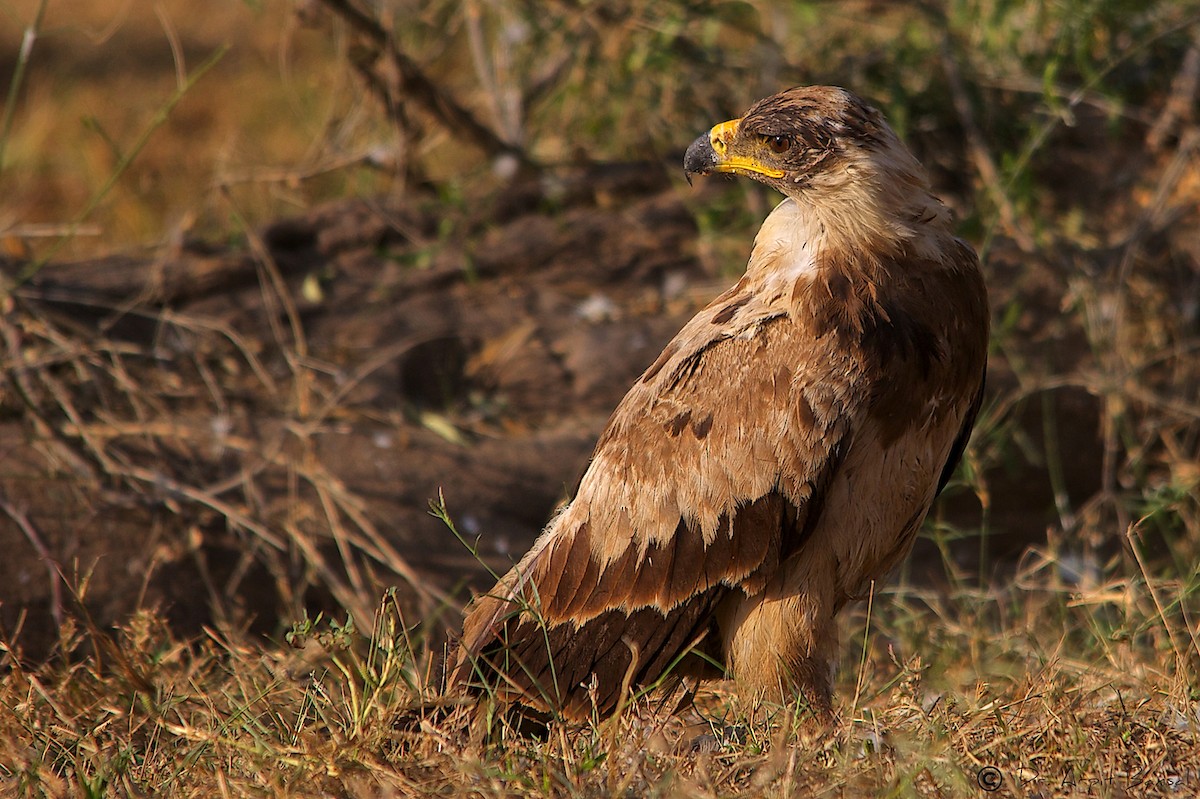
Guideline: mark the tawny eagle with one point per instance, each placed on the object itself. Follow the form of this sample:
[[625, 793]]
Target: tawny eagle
[[780, 453]]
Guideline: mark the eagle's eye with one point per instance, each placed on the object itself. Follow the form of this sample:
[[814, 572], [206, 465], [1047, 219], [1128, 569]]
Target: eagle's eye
[[778, 144]]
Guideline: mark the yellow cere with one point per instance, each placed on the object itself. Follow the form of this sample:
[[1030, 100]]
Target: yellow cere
[[719, 137]]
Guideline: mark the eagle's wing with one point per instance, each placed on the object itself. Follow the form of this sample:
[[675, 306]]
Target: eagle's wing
[[709, 474]]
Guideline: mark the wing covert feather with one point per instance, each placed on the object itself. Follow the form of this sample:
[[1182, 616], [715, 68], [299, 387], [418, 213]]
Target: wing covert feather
[[685, 492]]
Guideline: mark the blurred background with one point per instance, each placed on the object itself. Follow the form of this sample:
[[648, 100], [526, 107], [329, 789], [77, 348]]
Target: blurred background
[[276, 276]]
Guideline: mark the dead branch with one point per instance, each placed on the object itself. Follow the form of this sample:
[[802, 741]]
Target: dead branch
[[420, 89], [167, 281]]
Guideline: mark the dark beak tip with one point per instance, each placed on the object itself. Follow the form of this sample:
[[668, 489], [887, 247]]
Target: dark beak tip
[[699, 158]]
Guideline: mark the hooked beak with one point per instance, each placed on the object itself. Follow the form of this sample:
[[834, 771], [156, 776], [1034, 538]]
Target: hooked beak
[[710, 153]]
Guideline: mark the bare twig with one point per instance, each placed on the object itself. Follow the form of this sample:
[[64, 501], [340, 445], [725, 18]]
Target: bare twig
[[1094, 99], [49, 231], [421, 90], [1181, 657], [18, 371], [980, 155], [380, 549], [502, 96], [176, 47], [1183, 95], [297, 174], [52, 566], [207, 499], [272, 278], [18, 75]]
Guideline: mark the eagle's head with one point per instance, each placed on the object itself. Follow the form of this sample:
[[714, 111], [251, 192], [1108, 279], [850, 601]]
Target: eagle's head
[[829, 150]]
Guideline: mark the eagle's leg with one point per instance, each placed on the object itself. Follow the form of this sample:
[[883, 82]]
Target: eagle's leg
[[781, 645]]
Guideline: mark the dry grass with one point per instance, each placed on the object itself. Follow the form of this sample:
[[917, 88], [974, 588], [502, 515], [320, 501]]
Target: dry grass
[[1066, 136], [1065, 692]]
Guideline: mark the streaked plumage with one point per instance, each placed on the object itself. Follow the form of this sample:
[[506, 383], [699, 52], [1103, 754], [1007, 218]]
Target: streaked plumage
[[780, 453]]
